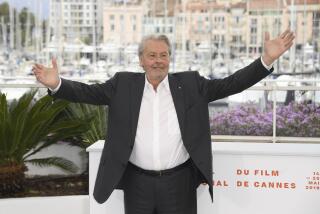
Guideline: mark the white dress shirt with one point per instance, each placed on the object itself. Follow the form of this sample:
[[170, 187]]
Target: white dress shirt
[[158, 144]]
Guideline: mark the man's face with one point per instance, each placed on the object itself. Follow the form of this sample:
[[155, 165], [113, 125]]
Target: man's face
[[155, 59]]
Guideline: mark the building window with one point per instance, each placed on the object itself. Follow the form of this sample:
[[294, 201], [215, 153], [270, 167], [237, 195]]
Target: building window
[[316, 19], [222, 38], [236, 38], [112, 27], [111, 17], [237, 18], [253, 39], [253, 30], [134, 27], [254, 22]]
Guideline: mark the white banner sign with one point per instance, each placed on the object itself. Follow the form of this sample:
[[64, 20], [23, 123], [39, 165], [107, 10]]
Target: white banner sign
[[248, 178]]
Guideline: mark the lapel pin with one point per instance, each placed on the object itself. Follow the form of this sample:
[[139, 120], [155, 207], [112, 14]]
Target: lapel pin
[[179, 87]]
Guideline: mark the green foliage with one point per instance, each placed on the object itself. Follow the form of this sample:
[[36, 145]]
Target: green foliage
[[87, 40], [97, 124], [26, 123], [23, 19], [4, 11], [23, 16]]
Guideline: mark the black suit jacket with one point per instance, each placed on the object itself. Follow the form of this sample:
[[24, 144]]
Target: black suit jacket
[[191, 94]]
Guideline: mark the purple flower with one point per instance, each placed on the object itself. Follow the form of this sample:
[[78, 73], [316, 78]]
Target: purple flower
[[295, 120]]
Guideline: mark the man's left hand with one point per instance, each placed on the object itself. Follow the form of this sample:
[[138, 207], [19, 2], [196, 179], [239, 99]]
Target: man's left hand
[[274, 48]]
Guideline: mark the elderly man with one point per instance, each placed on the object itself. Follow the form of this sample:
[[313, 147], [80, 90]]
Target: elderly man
[[158, 148]]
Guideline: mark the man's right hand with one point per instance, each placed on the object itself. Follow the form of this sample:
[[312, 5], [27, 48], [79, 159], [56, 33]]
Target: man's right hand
[[49, 77]]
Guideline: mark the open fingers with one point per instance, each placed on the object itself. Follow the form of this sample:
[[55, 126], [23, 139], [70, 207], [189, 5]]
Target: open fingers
[[37, 72], [289, 38], [54, 63], [36, 69], [39, 78], [266, 36], [39, 66], [284, 34], [288, 45]]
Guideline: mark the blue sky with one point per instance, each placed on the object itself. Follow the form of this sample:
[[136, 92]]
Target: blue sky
[[19, 4]]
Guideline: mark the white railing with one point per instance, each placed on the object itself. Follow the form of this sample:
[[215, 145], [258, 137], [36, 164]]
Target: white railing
[[269, 85]]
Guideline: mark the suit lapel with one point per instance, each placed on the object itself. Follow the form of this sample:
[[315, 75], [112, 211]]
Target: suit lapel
[[178, 99], [137, 86]]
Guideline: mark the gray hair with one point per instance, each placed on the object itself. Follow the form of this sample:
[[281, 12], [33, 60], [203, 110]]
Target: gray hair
[[163, 38]]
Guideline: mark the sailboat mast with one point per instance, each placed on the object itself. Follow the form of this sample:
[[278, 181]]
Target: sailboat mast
[[293, 28], [165, 16], [27, 29], [11, 17], [18, 31], [94, 42], [4, 33], [184, 9]]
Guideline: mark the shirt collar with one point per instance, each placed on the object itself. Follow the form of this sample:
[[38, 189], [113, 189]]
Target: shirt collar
[[164, 83]]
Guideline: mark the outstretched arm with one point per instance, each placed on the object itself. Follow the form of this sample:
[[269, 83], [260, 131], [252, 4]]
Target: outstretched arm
[[96, 94], [249, 75]]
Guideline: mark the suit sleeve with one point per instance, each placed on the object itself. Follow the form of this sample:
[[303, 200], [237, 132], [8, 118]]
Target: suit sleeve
[[96, 94], [242, 79]]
